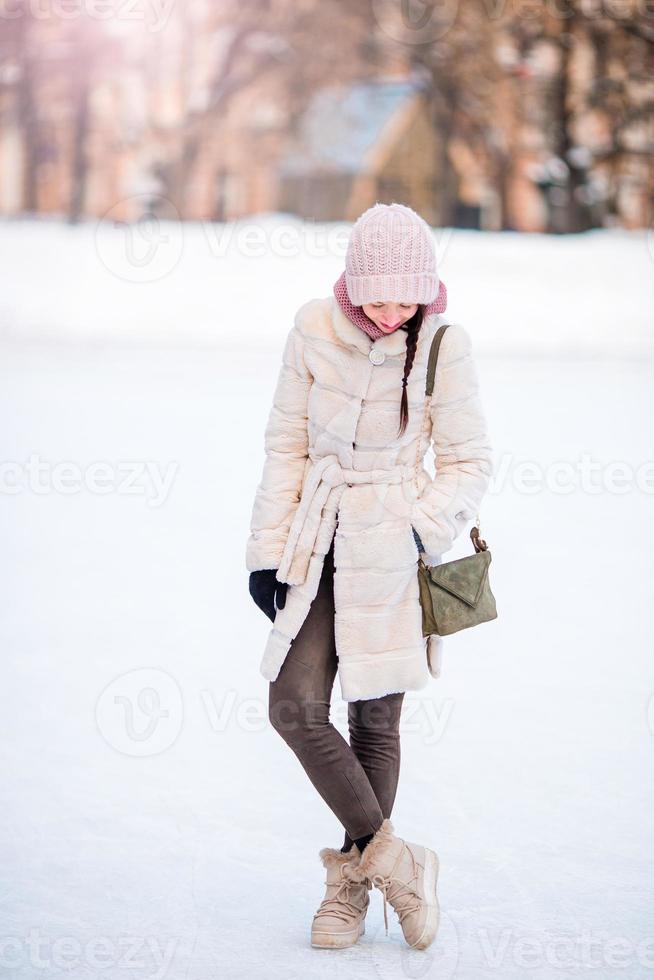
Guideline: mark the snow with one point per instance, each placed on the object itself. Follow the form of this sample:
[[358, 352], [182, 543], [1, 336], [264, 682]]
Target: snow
[[209, 284], [153, 824]]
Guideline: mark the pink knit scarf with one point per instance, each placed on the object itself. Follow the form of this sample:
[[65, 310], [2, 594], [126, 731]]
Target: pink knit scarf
[[356, 314]]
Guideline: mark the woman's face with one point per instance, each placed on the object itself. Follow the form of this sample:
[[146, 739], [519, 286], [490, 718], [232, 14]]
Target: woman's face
[[389, 316]]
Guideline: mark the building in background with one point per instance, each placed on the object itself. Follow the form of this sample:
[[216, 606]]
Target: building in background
[[361, 143]]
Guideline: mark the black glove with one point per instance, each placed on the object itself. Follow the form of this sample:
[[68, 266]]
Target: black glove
[[267, 592]]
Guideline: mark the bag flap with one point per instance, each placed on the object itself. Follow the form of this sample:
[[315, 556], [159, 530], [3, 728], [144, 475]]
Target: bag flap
[[463, 577]]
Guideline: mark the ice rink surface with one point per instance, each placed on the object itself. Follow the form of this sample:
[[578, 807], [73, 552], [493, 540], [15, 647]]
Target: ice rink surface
[[153, 825]]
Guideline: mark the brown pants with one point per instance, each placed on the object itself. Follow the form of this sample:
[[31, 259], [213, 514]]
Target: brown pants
[[357, 781]]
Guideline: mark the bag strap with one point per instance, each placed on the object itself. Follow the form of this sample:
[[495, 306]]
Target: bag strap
[[433, 357], [429, 387], [478, 542]]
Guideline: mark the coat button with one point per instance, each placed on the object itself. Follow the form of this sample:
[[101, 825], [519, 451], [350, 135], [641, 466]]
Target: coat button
[[377, 356]]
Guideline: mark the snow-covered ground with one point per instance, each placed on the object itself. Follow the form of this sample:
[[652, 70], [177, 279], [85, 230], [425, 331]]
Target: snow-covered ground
[[235, 284], [152, 823]]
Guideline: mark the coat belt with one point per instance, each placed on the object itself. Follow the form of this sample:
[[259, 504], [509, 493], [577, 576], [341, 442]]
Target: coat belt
[[325, 476]]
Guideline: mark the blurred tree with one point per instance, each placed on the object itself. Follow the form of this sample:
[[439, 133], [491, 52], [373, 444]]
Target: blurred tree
[[19, 67], [598, 103], [296, 44], [87, 54], [544, 114]]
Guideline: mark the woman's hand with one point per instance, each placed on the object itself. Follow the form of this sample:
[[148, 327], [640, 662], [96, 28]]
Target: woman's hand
[[268, 593]]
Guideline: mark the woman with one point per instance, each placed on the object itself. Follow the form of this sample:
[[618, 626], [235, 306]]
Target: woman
[[343, 511]]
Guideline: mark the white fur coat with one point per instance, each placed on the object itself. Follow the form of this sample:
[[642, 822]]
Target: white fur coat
[[334, 466]]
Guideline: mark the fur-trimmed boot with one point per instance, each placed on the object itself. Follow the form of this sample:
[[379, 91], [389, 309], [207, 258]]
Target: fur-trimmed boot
[[340, 919], [406, 875]]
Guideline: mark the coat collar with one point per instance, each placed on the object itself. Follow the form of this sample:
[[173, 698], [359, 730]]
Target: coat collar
[[392, 344]]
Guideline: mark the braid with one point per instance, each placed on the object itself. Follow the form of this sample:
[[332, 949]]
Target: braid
[[413, 329]]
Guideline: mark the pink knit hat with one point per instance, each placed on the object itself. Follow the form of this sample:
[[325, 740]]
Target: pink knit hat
[[391, 257], [386, 215]]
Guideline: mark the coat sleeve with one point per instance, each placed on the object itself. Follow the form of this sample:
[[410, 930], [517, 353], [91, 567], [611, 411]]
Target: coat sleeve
[[286, 446], [462, 447]]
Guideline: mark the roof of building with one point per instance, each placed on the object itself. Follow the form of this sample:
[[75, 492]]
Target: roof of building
[[342, 123]]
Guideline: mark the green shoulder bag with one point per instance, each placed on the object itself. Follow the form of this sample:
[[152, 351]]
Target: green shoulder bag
[[455, 594]]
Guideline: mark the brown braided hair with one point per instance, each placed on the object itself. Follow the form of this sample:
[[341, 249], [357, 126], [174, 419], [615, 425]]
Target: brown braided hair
[[412, 328]]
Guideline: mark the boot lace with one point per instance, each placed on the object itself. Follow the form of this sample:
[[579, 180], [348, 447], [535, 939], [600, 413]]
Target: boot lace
[[340, 904], [402, 895]]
